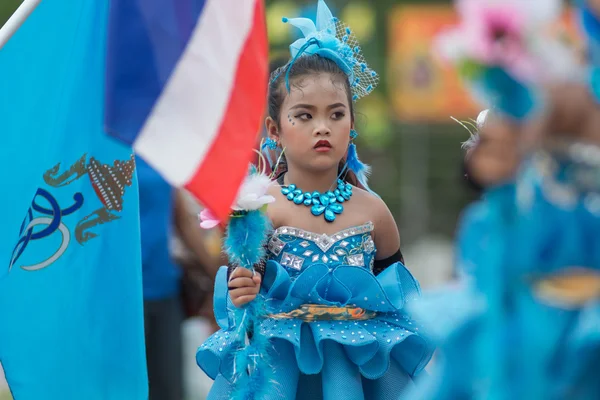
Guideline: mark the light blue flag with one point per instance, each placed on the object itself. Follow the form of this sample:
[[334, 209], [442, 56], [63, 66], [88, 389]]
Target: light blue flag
[[71, 319]]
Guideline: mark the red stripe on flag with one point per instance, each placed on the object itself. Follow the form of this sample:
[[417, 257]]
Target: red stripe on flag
[[217, 181]]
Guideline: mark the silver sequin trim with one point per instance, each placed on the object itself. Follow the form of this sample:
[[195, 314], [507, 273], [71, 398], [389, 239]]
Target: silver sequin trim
[[369, 245], [323, 241], [356, 260], [292, 261], [275, 245]]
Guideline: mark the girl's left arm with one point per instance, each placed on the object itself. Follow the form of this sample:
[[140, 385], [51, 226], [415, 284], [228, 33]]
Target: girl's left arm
[[386, 238]]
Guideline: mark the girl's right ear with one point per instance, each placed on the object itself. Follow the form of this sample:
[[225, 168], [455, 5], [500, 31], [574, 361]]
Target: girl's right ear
[[272, 129]]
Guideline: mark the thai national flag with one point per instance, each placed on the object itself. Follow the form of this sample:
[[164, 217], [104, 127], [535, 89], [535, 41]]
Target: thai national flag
[[186, 86]]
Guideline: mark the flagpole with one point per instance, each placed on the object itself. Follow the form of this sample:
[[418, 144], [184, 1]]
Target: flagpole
[[16, 20]]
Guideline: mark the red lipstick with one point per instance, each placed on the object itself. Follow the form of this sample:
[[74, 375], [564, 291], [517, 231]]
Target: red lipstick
[[322, 146]]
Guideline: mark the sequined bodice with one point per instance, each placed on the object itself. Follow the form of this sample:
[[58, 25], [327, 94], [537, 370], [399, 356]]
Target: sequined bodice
[[296, 249]]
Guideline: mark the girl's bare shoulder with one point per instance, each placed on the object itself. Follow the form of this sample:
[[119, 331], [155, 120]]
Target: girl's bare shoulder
[[276, 210], [386, 235]]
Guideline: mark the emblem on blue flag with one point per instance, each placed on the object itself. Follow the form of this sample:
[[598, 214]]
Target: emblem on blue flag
[[46, 215]]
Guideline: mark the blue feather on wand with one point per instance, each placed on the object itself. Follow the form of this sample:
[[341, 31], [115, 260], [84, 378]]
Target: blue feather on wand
[[245, 239]]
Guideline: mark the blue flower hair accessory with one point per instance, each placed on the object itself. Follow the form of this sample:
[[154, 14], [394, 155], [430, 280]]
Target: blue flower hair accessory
[[328, 37]]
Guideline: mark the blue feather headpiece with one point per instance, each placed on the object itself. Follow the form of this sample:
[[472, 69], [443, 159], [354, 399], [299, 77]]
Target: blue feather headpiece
[[329, 38]]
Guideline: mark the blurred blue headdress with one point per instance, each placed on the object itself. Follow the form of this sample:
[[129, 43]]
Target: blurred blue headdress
[[590, 24], [328, 37], [502, 51]]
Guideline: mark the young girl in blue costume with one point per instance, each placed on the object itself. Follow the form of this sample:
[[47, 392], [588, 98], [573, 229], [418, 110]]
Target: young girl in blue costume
[[334, 281]]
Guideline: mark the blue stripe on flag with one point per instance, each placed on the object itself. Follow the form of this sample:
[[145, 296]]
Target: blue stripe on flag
[[146, 40], [71, 305]]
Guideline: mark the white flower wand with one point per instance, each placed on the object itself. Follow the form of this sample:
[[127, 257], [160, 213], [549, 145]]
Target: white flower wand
[[245, 239]]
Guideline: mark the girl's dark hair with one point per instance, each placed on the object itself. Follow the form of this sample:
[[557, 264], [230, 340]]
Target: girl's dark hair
[[302, 67]]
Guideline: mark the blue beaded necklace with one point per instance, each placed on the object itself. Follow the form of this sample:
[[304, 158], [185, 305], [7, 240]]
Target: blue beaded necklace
[[328, 204]]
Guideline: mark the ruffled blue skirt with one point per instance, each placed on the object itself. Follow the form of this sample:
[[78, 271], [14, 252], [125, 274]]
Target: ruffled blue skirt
[[369, 359]]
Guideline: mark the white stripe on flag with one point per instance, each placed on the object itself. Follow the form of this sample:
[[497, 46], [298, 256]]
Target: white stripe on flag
[[186, 118]]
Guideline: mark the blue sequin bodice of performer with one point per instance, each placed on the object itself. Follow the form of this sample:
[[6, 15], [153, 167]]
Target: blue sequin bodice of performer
[[525, 325]]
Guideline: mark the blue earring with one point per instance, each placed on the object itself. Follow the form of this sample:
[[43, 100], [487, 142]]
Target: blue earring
[[271, 144], [354, 164]]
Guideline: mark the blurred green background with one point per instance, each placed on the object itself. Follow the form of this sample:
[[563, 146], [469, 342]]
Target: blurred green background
[[7, 7]]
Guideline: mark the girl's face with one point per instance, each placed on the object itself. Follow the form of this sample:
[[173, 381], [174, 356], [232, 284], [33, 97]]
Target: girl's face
[[315, 123]]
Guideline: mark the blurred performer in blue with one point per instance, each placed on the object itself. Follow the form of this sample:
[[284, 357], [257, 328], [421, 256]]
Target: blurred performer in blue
[[526, 325]]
